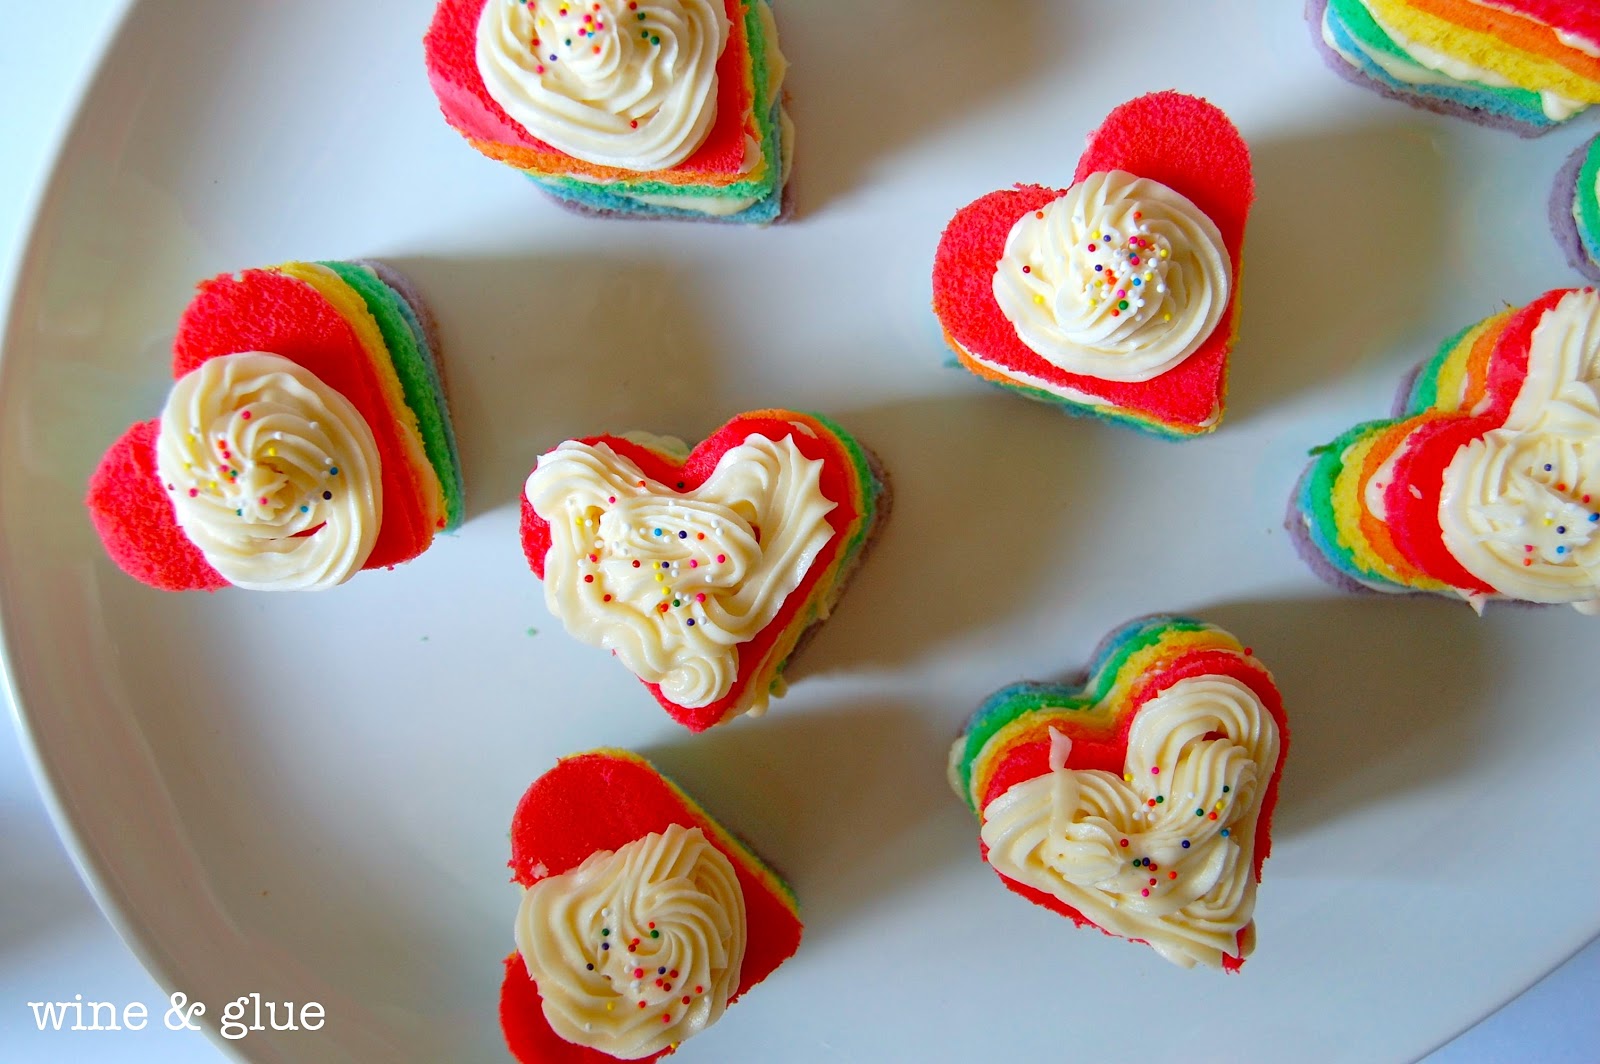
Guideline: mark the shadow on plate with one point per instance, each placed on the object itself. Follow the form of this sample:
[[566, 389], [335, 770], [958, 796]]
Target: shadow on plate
[[985, 486], [837, 798], [546, 348], [1383, 696], [1343, 221], [895, 71]]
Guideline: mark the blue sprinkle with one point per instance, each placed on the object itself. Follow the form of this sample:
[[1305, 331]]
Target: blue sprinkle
[[1594, 517], [1561, 530], [1186, 844], [691, 622], [305, 509], [333, 471], [683, 535], [1548, 467], [605, 945], [1224, 832], [1137, 282], [1561, 550], [658, 531], [552, 57], [666, 565], [1099, 269]]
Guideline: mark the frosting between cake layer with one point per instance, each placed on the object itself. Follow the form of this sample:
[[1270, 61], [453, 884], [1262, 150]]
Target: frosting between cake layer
[[638, 948], [272, 474], [628, 86], [1520, 507], [1165, 853], [1120, 278], [672, 582]]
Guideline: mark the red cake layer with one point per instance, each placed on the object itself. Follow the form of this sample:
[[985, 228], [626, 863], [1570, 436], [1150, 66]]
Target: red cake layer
[[837, 485], [260, 310], [450, 47], [130, 509], [1181, 141], [1411, 502], [603, 801], [1581, 18]]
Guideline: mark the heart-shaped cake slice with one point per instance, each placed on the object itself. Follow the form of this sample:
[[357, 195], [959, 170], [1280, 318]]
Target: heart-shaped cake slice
[[702, 569], [1141, 802], [306, 437], [641, 920], [1117, 296], [669, 109], [1487, 484]]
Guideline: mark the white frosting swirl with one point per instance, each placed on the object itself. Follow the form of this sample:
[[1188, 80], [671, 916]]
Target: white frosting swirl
[[1121, 278], [673, 582], [636, 949], [1520, 506], [1186, 804], [632, 86], [274, 475]]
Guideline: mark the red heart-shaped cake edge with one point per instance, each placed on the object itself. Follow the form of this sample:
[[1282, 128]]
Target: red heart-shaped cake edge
[[1181, 141], [601, 801], [837, 486]]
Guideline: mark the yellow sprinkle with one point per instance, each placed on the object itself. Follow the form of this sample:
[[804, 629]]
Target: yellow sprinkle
[[213, 485], [272, 452], [1039, 300], [610, 1005], [1218, 805], [1548, 522], [1127, 777], [661, 578], [1166, 317], [1163, 252]]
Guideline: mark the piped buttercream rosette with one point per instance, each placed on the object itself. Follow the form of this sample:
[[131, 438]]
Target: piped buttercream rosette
[[1487, 486], [305, 438], [700, 570], [1142, 802]]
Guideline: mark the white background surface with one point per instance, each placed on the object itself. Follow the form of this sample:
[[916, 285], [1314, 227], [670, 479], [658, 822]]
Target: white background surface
[[54, 944]]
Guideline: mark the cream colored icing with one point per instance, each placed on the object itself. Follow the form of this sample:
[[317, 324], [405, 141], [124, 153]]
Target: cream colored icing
[[632, 87], [1121, 278], [255, 451], [673, 582], [619, 943], [1520, 506], [1082, 835]]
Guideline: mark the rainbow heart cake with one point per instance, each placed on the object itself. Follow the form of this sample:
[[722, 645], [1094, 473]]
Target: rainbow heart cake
[[702, 569], [1141, 802], [1575, 208], [642, 919], [1523, 65], [306, 437], [1486, 485], [1116, 297], [623, 108]]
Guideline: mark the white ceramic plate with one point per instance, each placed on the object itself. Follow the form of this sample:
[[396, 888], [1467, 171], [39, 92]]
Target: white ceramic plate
[[307, 796]]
